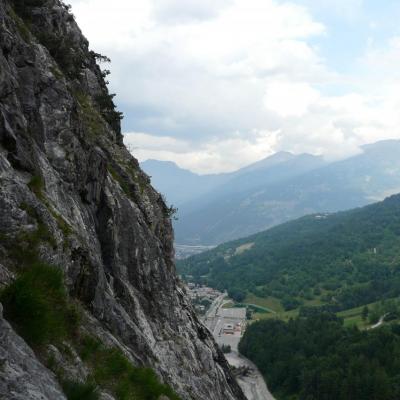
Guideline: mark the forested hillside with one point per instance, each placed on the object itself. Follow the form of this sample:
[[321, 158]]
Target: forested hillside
[[316, 358], [342, 260]]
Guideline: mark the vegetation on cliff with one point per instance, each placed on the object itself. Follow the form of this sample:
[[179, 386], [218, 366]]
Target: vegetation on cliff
[[37, 305]]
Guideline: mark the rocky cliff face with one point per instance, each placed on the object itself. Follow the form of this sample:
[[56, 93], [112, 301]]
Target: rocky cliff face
[[71, 193]]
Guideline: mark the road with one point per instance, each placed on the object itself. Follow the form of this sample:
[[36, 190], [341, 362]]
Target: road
[[252, 384], [210, 319]]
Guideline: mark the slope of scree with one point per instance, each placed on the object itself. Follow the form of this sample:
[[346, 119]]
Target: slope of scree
[[73, 197]]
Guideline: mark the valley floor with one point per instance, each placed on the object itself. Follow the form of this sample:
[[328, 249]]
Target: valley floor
[[271, 308], [250, 379]]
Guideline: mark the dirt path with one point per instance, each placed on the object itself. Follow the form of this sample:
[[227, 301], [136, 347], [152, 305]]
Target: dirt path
[[379, 323]]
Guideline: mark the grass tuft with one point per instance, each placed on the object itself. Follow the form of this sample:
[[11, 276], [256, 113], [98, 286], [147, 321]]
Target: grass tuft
[[80, 391], [124, 185], [36, 304], [91, 117], [36, 185], [21, 26], [113, 371]]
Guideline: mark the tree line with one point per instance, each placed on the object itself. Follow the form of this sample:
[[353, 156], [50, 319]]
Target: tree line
[[317, 358]]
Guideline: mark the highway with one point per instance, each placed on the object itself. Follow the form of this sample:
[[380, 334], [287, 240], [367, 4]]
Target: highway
[[210, 318]]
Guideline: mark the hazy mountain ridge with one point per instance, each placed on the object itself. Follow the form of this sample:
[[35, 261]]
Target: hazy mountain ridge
[[183, 187], [177, 184], [253, 201]]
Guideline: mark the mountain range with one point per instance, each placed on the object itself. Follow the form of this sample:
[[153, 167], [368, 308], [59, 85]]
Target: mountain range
[[179, 185], [217, 208]]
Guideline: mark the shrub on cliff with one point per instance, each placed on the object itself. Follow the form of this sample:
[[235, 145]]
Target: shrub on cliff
[[112, 370], [80, 391], [23, 7], [36, 304]]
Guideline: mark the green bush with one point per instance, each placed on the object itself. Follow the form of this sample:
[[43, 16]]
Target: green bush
[[36, 184], [226, 348], [63, 50], [88, 347], [112, 370], [21, 26], [92, 120], [80, 391], [24, 7], [112, 365], [148, 385], [36, 304], [108, 110], [122, 182]]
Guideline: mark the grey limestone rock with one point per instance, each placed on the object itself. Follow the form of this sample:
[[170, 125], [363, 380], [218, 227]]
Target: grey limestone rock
[[63, 166], [22, 376]]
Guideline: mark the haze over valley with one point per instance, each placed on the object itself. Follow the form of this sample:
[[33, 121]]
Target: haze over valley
[[213, 209]]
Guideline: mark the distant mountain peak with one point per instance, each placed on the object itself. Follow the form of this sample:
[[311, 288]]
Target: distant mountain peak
[[269, 161], [278, 158], [152, 161], [281, 154], [388, 144]]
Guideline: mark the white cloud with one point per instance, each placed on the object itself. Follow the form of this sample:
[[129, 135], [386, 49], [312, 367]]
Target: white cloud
[[290, 99], [139, 141], [177, 11], [217, 155], [212, 83], [383, 61], [212, 68], [113, 24]]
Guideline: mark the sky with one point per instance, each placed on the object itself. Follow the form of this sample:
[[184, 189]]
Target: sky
[[215, 85]]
